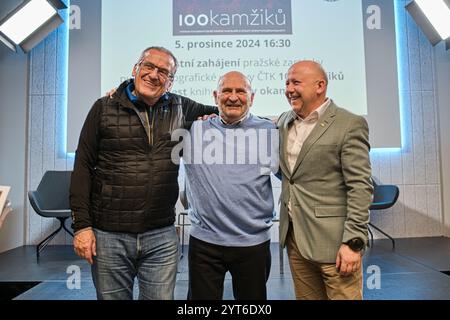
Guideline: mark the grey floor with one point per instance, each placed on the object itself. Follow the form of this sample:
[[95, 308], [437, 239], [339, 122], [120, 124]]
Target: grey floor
[[414, 270]]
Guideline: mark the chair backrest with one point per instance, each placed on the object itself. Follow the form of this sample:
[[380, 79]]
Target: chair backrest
[[384, 196], [51, 199]]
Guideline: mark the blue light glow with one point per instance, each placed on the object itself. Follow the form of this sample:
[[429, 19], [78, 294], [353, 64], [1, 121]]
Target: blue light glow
[[64, 55], [64, 48]]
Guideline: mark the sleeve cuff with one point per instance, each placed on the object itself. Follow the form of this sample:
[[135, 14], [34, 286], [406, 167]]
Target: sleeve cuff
[[82, 230]]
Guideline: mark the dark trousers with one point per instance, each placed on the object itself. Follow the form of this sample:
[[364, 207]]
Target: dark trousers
[[208, 263]]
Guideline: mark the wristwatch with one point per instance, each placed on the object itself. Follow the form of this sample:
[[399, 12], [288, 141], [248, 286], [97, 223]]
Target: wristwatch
[[356, 244]]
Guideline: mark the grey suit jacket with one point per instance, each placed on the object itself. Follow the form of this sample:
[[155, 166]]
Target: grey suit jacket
[[330, 188]]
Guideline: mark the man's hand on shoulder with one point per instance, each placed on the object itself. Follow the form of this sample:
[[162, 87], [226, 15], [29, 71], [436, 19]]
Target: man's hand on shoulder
[[111, 92]]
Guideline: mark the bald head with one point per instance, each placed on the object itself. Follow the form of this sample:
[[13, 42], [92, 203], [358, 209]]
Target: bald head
[[311, 68], [234, 75], [306, 87], [233, 96]]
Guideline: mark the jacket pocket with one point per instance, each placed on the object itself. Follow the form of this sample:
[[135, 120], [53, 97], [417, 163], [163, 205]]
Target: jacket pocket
[[326, 146], [330, 211]]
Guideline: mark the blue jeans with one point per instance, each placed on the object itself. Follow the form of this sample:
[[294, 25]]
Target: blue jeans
[[152, 257]]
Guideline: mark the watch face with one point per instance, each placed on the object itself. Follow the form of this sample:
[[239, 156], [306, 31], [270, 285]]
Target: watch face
[[356, 244]]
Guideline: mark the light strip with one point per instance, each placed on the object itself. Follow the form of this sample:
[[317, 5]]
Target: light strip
[[25, 21], [65, 56], [401, 39], [438, 13]]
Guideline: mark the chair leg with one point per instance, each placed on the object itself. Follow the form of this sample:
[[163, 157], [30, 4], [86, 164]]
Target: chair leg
[[371, 237], [280, 248], [381, 231], [47, 240], [181, 216], [182, 237], [63, 222]]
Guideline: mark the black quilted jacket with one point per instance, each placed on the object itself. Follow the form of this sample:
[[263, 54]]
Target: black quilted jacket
[[124, 179]]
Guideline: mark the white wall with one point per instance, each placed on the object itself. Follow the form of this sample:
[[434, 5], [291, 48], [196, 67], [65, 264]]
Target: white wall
[[443, 97], [13, 128], [46, 128], [416, 169]]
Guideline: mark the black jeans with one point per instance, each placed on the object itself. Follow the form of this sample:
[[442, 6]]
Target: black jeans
[[208, 263]]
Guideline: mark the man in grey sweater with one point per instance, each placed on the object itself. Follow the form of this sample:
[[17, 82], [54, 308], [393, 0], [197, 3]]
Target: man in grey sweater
[[228, 160]]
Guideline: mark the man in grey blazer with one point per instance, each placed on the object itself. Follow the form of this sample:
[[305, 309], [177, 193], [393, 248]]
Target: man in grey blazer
[[326, 188]]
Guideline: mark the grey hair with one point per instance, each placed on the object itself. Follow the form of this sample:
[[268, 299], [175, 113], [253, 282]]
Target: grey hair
[[323, 72], [160, 49], [247, 80]]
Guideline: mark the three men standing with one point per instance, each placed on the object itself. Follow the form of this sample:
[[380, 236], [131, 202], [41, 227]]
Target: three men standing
[[124, 189]]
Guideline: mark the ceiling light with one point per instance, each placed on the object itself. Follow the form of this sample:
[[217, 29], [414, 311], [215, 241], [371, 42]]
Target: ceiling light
[[30, 23]]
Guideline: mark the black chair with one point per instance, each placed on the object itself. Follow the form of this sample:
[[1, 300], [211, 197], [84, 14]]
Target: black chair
[[384, 197], [51, 200]]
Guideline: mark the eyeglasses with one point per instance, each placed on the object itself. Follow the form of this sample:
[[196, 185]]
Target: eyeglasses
[[163, 74]]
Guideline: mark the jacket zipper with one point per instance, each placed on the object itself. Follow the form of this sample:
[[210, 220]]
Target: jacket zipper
[[150, 127]]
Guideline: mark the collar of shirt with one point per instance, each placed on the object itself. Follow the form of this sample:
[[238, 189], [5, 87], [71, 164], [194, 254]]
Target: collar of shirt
[[315, 115], [131, 96], [245, 116]]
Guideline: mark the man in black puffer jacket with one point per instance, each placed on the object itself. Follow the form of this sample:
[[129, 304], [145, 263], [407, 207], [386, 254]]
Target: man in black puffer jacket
[[124, 184]]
